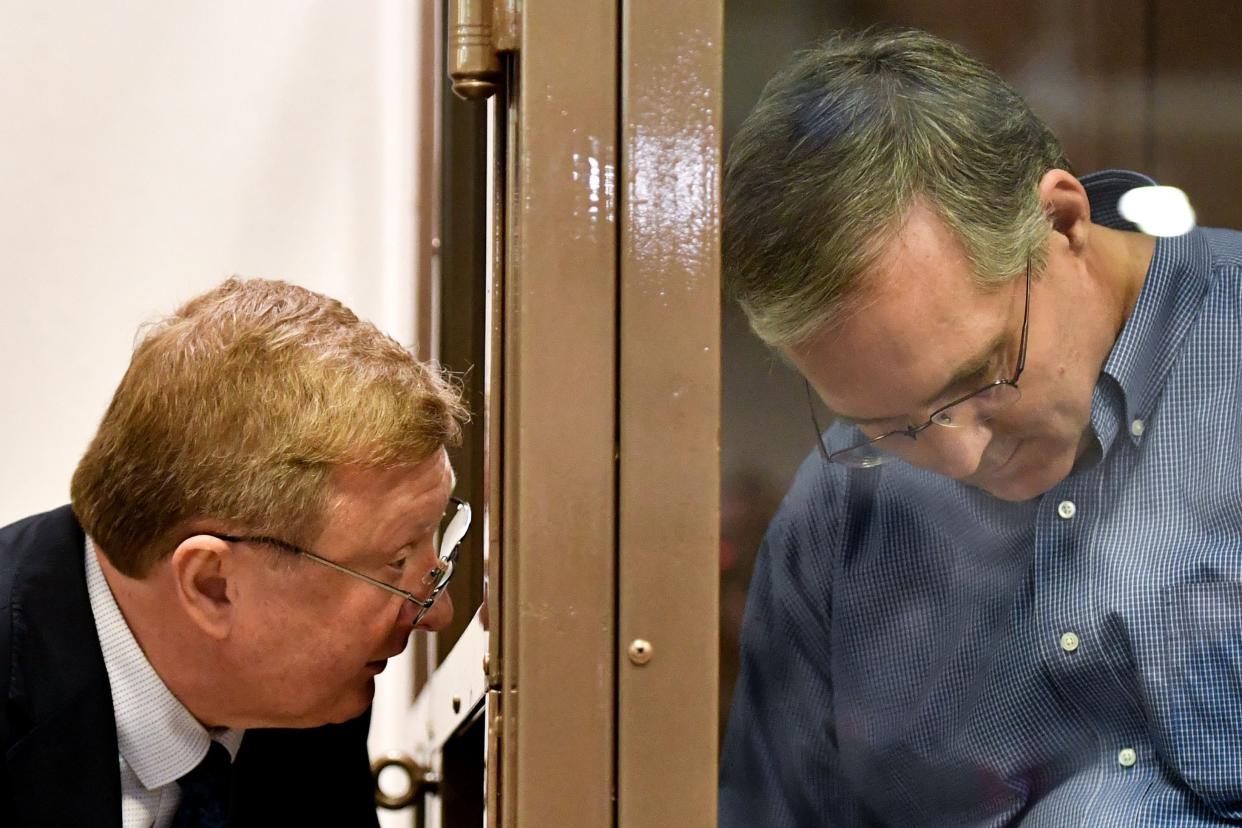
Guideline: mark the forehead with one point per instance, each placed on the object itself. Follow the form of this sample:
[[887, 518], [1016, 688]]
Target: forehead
[[377, 502], [921, 319]]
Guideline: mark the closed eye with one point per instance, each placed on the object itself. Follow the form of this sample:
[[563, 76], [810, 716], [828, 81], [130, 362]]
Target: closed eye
[[988, 371], [402, 557]]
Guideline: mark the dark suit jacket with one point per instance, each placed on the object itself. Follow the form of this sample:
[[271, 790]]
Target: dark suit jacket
[[57, 729]]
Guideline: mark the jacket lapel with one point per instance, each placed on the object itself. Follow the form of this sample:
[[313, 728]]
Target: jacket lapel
[[65, 769]]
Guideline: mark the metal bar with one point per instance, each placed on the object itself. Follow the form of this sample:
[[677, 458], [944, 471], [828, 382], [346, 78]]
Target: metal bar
[[558, 544], [669, 413], [493, 388], [427, 189]]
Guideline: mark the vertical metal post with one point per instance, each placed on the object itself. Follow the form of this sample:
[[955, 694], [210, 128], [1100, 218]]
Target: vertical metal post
[[558, 601], [669, 413]]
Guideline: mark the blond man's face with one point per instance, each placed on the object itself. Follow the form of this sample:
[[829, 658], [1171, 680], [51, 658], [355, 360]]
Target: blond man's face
[[310, 640]]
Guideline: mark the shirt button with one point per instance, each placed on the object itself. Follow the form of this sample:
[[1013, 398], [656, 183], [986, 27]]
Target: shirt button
[[1126, 757], [1069, 642], [1136, 428], [1066, 509]]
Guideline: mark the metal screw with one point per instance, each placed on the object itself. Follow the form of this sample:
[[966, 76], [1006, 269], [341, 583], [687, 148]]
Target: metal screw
[[640, 651], [456, 704]]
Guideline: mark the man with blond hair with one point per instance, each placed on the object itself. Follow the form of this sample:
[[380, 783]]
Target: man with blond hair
[[1006, 589], [194, 640]]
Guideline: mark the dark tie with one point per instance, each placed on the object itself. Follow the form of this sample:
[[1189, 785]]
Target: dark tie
[[205, 791]]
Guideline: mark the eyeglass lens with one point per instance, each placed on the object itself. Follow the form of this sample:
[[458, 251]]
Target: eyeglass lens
[[452, 530]]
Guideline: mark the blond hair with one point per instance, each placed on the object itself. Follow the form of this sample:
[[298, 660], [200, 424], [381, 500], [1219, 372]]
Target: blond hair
[[841, 144], [238, 407]]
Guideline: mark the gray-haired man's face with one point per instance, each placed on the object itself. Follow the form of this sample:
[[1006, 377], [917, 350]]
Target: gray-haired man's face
[[928, 334]]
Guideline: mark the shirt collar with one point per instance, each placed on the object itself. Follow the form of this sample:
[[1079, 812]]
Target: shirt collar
[[158, 737], [1168, 304]]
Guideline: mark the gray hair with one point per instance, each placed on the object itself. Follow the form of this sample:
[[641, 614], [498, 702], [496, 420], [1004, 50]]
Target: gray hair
[[843, 141]]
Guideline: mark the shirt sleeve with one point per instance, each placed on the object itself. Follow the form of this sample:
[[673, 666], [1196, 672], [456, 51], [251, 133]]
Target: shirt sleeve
[[780, 764]]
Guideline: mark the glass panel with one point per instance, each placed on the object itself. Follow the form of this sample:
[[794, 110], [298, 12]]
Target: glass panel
[[1144, 85]]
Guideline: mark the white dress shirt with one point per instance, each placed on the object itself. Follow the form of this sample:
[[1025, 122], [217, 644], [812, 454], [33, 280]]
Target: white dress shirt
[[159, 740]]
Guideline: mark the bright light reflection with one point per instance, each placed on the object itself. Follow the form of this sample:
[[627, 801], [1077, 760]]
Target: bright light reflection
[[1160, 211]]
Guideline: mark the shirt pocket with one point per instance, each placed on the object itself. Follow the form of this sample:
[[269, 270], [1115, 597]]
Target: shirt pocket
[[1199, 690]]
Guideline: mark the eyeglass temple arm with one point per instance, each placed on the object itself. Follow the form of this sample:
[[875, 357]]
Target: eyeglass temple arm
[[306, 553], [409, 596], [1026, 325]]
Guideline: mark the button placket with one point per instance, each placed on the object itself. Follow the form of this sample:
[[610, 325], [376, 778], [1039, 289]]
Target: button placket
[[1067, 629]]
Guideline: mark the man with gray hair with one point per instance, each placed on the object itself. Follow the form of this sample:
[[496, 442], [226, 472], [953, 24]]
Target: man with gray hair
[[1007, 588], [254, 531]]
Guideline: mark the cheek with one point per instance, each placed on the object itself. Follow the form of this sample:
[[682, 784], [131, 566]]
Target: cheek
[[312, 637], [354, 633], [1049, 410]]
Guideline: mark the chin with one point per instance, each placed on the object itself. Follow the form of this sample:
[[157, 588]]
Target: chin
[[1012, 492], [1026, 484], [349, 704]]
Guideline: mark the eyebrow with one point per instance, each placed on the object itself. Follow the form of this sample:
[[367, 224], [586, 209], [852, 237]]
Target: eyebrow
[[969, 370], [425, 530]]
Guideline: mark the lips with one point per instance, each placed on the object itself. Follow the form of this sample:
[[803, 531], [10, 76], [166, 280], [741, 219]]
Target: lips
[[398, 650]]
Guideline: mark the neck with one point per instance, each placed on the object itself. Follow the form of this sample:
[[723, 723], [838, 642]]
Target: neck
[[1120, 259], [175, 648], [1116, 267]]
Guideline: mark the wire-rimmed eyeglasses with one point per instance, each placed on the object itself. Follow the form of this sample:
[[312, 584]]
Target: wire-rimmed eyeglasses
[[452, 530], [978, 406]]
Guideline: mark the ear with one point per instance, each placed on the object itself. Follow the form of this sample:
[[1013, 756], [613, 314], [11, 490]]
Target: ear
[[1065, 200], [204, 572]]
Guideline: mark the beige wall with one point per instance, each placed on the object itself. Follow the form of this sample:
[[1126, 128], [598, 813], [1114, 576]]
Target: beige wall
[[150, 149]]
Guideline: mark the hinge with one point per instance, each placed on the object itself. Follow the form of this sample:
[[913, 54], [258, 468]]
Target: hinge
[[478, 32]]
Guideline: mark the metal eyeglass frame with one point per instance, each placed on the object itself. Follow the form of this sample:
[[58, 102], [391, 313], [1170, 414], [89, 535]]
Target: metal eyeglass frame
[[440, 575], [913, 431]]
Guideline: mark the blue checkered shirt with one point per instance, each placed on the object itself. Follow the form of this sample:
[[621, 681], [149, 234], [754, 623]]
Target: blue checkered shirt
[[916, 652]]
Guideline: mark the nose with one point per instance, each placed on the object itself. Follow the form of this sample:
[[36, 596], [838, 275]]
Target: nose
[[952, 452], [440, 613], [435, 619]]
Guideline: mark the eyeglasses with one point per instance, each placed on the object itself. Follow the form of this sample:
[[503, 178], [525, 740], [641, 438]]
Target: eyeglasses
[[973, 408], [452, 530]]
